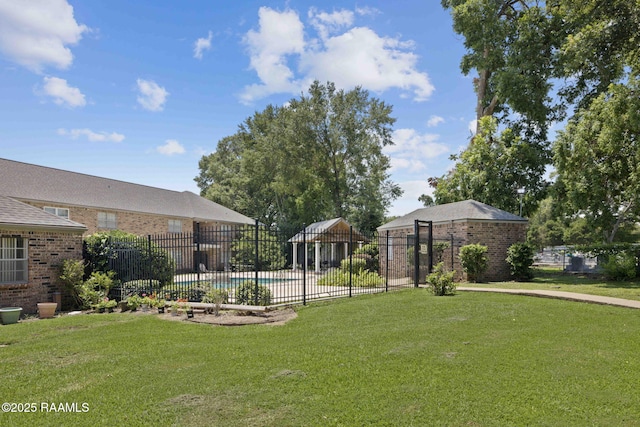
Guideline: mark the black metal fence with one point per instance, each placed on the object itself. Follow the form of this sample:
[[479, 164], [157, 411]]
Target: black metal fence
[[257, 265]]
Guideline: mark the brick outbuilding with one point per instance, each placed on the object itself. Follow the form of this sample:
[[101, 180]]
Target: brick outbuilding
[[455, 225]]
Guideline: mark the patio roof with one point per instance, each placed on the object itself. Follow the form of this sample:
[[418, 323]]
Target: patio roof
[[334, 230]]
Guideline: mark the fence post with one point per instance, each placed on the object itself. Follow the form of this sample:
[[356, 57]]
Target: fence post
[[255, 266], [452, 266], [304, 265], [416, 253], [430, 247], [150, 263], [386, 257], [197, 260], [350, 259]]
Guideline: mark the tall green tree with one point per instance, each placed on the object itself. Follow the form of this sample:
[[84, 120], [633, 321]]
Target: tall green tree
[[597, 158], [318, 157], [510, 44], [492, 169], [600, 46]]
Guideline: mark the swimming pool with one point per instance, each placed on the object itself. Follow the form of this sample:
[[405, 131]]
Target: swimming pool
[[232, 282]]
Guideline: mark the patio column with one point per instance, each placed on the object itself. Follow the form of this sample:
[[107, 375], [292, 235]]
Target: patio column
[[317, 257], [333, 254], [295, 256], [346, 250]]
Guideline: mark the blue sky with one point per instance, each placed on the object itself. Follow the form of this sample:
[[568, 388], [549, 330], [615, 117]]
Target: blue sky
[[140, 91]]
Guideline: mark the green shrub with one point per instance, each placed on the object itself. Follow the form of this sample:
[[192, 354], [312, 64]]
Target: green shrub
[[136, 258], [442, 282], [358, 265], [217, 296], [366, 279], [473, 259], [621, 266], [71, 275], [270, 253], [246, 294], [520, 258], [371, 253]]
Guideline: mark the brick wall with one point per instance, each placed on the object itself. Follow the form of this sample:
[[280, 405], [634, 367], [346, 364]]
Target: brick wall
[[131, 222], [497, 236], [46, 250]]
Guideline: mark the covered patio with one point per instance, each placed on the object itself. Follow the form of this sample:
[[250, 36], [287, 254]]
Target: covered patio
[[333, 241]]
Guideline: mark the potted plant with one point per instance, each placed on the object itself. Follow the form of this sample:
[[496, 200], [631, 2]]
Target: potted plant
[[10, 315], [146, 302], [174, 308], [160, 304], [47, 310], [189, 310], [133, 302], [100, 306], [110, 305]]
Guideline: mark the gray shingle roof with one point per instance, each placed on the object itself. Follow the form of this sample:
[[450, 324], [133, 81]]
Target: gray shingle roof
[[466, 210], [17, 214], [331, 230], [39, 183]]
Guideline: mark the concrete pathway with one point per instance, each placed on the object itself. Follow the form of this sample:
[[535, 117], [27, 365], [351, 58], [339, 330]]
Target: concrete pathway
[[571, 296]]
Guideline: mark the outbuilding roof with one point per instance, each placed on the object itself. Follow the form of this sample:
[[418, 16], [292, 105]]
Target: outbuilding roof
[[30, 182], [458, 211], [15, 214], [334, 230]]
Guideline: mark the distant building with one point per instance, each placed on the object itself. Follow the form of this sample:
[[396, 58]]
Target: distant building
[[45, 212], [455, 225]]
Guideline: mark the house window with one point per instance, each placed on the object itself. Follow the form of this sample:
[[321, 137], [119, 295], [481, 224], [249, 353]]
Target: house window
[[13, 260], [175, 226], [107, 220], [61, 212], [390, 249]]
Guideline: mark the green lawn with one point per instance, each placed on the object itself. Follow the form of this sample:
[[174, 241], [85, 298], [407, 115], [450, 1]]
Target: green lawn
[[403, 358], [556, 280]]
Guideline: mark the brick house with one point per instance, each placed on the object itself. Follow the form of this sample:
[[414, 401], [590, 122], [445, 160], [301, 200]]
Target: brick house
[[91, 204], [455, 225], [33, 243]]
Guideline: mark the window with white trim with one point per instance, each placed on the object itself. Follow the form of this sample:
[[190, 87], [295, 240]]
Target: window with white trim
[[13, 260], [175, 226], [61, 212], [107, 220]]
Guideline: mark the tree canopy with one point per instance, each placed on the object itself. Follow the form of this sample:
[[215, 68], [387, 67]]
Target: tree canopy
[[597, 157], [536, 62], [318, 157], [492, 169]]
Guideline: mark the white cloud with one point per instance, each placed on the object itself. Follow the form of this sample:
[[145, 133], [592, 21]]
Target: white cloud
[[91, 135], [412, 144], [170, 148], [280, 35], [473, 126], [37, 33], [62, 93], [408, 202], [344, 54], [201, 45], [434, 121], [327, 23], [152, 96]]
